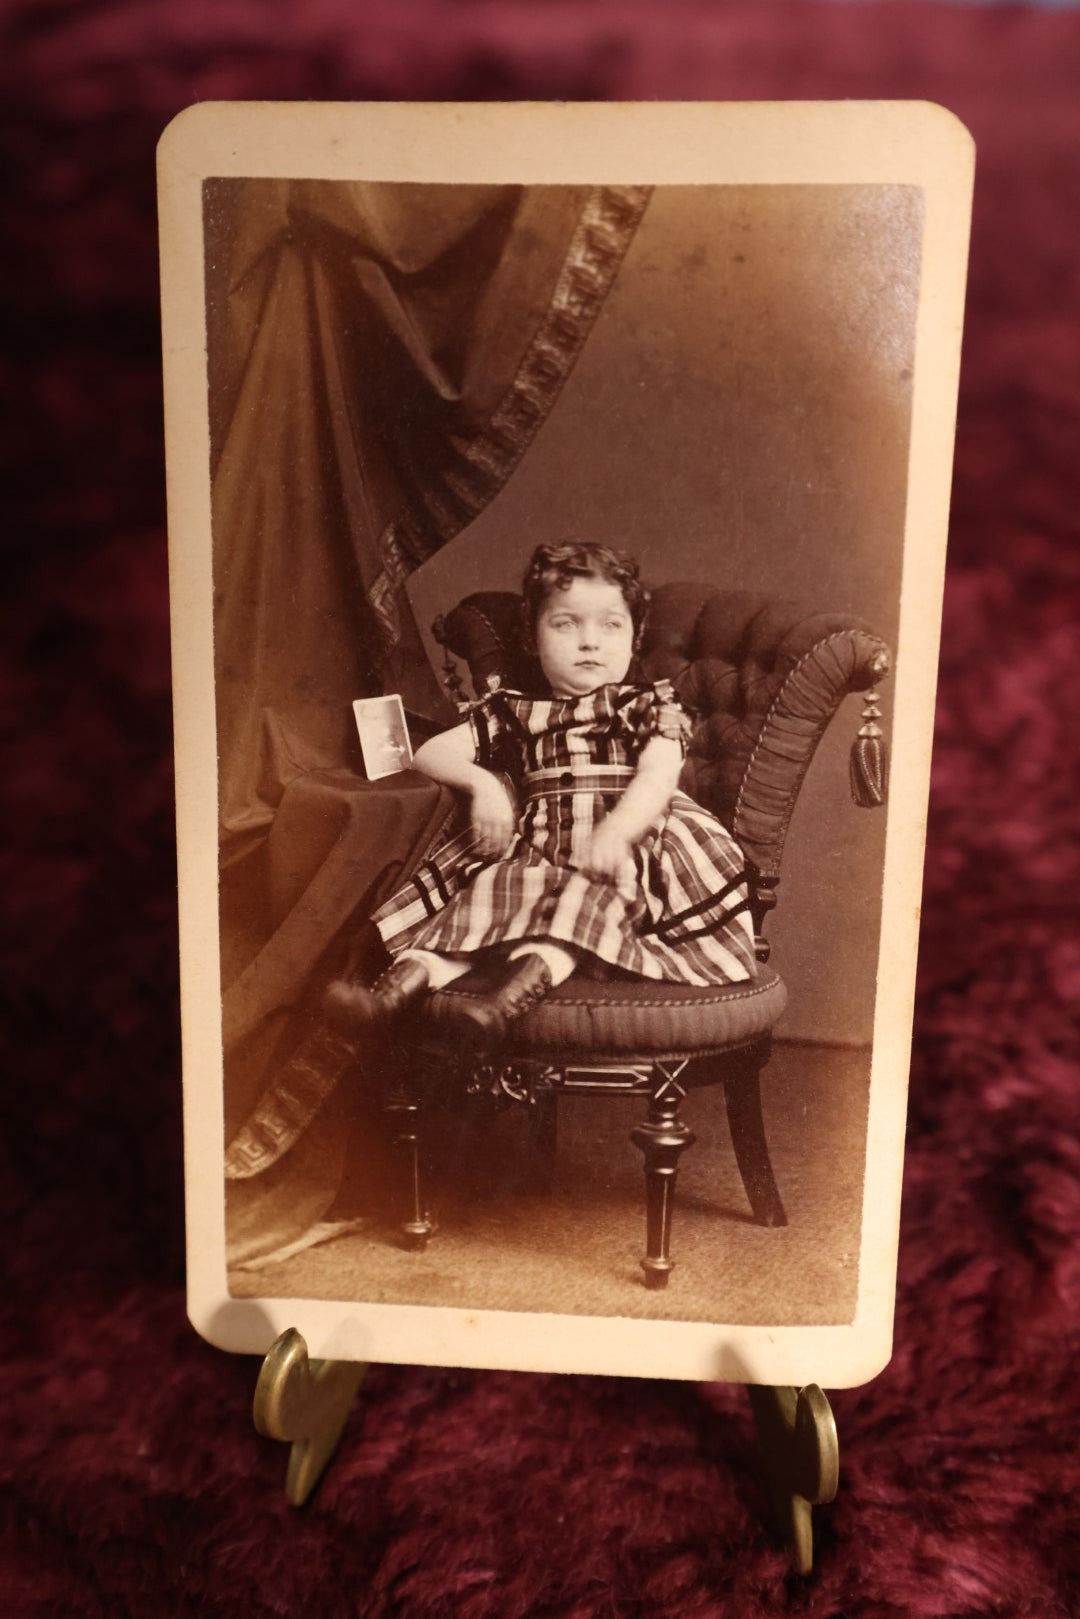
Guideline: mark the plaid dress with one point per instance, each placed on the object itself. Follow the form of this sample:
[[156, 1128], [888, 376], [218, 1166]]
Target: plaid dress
[[682, 919]]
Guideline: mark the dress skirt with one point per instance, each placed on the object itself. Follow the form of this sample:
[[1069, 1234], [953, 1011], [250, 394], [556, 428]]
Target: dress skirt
[[682, 918]]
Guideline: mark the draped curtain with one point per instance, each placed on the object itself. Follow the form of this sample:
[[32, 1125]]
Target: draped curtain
[[380, 357]]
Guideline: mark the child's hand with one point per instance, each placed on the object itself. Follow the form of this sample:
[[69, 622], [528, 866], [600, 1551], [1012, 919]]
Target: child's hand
[[493, 818], [609, 856]]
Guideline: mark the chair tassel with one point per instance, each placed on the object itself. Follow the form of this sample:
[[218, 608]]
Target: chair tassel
[[869, 760]]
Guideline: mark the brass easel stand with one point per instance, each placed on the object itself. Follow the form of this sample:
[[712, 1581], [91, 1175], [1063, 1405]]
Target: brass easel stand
[[797, 1434], [306, 1402]]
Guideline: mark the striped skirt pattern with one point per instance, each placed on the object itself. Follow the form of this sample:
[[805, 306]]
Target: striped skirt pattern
[[683, 918]]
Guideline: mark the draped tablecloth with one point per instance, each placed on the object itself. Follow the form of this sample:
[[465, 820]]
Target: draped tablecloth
[[295, 913]]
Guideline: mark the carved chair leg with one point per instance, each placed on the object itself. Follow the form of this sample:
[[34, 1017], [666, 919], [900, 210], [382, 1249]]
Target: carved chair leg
[[662, 1138], [742, 1093], [543, 1140], [403, 1122]]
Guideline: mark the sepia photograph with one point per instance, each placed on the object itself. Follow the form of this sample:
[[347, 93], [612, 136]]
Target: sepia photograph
[[384, 735], [554, 698]]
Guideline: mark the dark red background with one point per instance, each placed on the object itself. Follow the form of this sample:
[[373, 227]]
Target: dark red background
[[132, 1482]]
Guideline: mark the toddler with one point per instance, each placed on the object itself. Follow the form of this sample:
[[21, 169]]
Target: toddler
[[601, 862]]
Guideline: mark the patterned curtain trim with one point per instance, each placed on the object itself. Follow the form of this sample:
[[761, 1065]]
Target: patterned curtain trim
[[289, 1106], [484, 462]]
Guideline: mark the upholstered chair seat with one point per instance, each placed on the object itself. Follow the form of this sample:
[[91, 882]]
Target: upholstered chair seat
[[640, 1021]]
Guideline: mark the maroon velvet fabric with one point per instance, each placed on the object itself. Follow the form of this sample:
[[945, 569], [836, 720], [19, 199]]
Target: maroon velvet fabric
[[132, 1482]]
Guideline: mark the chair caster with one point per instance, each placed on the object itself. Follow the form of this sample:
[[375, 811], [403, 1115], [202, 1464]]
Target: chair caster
[[657, 1272]]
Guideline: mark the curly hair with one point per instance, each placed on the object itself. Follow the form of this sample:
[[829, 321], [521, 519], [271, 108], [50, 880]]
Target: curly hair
[[555, 567]]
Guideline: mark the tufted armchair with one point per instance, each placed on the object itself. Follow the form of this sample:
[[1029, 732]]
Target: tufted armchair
[[763, 679]]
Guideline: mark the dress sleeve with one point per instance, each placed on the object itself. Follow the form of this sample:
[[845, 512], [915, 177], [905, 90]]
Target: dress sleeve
[[487, 721], [663, 714]]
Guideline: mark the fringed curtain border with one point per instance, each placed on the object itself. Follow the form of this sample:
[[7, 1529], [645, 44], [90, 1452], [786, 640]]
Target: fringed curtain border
[[483, 463]]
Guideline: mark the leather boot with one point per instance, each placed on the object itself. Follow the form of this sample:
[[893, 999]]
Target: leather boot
[[355, 1008], [483, 1018]]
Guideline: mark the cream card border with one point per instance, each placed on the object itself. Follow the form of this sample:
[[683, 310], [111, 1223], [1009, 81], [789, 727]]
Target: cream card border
[[812, 143]]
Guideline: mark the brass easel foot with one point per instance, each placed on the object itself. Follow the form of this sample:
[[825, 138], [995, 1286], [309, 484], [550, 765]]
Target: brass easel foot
[[306, 1402], [797, 1434]]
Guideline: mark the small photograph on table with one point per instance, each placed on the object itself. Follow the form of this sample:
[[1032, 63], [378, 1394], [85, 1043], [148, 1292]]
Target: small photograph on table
[[384, 735]]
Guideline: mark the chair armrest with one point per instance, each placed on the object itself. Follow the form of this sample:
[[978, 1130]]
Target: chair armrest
[[819, 661], [486, 630]]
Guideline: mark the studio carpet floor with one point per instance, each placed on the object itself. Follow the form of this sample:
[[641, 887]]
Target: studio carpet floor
[[576, 1249]]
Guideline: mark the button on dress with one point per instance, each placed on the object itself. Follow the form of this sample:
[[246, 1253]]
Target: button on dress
[[683, 918]]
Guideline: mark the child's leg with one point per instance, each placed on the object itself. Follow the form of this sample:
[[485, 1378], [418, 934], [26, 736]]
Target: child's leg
[[559, 960], [440, 969]]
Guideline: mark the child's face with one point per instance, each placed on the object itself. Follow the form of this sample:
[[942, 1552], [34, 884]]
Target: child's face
[[584, 637]]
